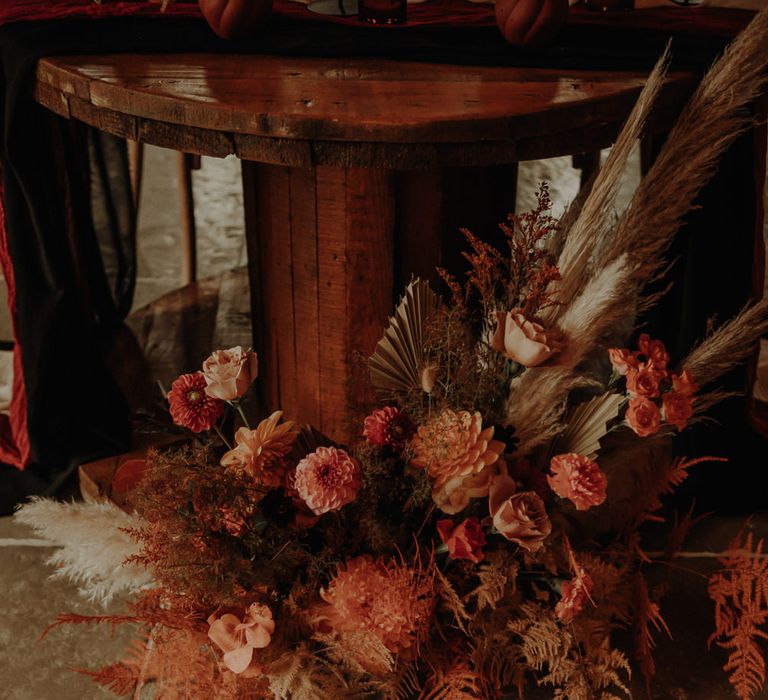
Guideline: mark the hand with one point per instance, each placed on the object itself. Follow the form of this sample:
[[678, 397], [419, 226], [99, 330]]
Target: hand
[[235, 18]]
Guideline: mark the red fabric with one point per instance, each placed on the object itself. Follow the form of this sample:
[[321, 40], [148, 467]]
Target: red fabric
[[683, 20], [14, 440]]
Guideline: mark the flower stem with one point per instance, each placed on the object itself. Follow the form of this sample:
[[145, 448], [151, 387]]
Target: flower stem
[[221, 435], [239, 409]]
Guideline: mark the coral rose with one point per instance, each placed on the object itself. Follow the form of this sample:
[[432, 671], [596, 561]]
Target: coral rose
[[388, 426], [622, 360], [677, 409], [327, 479], [261, 452], [574, 597], [453, 446], [520, 517], [643, 416], [229, 373], [578, 479], [464, 541], [238, 638], [524, 341], [643, 382], [654, 351], [684, 384], [190, 406]]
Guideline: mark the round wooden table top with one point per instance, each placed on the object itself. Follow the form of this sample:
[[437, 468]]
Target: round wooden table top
[[350, 112]]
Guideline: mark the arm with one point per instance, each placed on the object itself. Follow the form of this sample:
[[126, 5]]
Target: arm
[[235, 18]]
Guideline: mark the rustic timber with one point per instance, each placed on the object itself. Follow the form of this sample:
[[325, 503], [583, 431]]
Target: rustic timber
[[356, 174]]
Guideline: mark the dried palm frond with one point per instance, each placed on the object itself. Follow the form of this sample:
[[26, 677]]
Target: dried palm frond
[[397, 361], [587, 424], [94, 545], [729, 345]]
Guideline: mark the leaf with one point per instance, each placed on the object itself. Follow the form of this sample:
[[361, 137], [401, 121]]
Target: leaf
[[587, 424], [396, 363]]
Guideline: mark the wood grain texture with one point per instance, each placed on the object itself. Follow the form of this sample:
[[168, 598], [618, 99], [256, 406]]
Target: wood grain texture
[[348, 113]]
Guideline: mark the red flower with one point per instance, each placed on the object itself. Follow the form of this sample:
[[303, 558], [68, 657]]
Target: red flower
[[643, 382], [654, 351], [622, 360], [574, 597], [684, 383], [643, 416], [191, 407], [388, 426], [464, 541], [677, 409]]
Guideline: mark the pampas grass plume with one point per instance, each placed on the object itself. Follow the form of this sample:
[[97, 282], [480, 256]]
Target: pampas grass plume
[[93, 545]]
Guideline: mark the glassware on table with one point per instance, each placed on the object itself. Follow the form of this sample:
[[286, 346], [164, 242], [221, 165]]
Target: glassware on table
[[382, 11], [610, 5]]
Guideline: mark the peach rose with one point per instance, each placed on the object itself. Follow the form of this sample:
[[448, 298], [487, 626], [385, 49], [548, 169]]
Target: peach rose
[[654, 351], [643, 416], [524, 341], [520, 517], [238, 638], [464, 541], [677, 409], [578, 479], [229, 373], [643, 382], [622, 360], [684, 384]]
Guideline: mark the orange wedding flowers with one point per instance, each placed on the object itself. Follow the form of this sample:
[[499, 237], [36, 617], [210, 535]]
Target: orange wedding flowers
[[229, 373], [464, 541], [238, 637], [455, 450], [578, 479], [525, 341], [261, 452], [190, 406]]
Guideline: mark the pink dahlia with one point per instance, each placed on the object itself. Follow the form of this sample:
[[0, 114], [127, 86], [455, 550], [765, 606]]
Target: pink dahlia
[[392, 601], [578, 479], [327, 479], [388, 426], [455, 444], [190, 406]]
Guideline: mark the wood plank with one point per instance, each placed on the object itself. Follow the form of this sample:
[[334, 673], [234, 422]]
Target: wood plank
[[306, 281], [349, 99]]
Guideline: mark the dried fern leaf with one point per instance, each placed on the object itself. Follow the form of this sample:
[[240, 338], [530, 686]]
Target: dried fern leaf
[[396, 363], [587, 424]]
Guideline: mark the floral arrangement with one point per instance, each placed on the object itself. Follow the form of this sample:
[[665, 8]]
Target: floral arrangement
[[485, 533]]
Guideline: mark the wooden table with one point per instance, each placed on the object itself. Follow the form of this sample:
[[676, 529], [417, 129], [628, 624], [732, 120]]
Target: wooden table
[[356, 174]]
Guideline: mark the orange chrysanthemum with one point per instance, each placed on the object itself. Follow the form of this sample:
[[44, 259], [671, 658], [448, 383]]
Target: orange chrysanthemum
[[454, 444], [261, 452], [390, 600]]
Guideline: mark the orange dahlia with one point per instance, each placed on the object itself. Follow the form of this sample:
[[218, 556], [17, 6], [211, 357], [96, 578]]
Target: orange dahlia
[[454, 444], [261, 452], [190, 406], [391, 600]]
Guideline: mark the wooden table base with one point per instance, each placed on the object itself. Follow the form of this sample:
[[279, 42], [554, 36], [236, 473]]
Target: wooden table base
[[330, 249]]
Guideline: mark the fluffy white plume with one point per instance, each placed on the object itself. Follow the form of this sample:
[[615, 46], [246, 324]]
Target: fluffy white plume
[[93, 545]]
